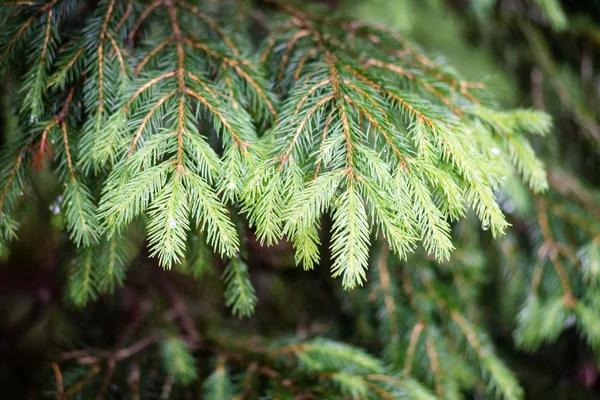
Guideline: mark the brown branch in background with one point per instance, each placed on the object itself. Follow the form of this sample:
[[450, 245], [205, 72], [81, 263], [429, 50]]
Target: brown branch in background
[[167, 387], [586, 224], [212, 24], [186, 322], [110, 371], [19, 3], [247, 384], [135, 348], [81, 383], [124, 17], [568, 185], [459, 319], [536, 280], [60, 390], [432, 354], [550, 249], [412, 345], [386, 289], [539, 50], [141, 307], [134, 381], [147, 11], [537, 88], [84, 358], [70, 355]]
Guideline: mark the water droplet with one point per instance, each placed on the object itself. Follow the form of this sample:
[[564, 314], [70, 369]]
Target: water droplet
[[52, 141], [415, 247], [231, 185], [172, 223], [33, 118], [59, 199], [51, 207], [503, 177], [485, 226], [545, 185], [495, 151], [570, 321], [21, 193]]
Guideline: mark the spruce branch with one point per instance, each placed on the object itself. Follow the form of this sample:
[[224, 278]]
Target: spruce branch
[[386, 121], [362, 126]]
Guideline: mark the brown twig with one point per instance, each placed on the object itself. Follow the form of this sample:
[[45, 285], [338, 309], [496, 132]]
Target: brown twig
[[550, 249], [81, 383], [60, 390], [167, 387], [181, 312]]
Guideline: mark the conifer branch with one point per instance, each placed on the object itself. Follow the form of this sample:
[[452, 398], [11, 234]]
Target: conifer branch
[[124, 17], [16, 38], [212, 24], [157, 49], [11, 177], [100, 50], [147, 118], [145, 14], [63, 128], [183, 127], [60, 76]]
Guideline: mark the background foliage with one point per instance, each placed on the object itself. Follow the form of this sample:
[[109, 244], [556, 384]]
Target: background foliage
[[105, 149]]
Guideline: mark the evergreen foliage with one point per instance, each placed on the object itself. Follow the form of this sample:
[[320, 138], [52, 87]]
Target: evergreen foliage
[[178, 131]]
